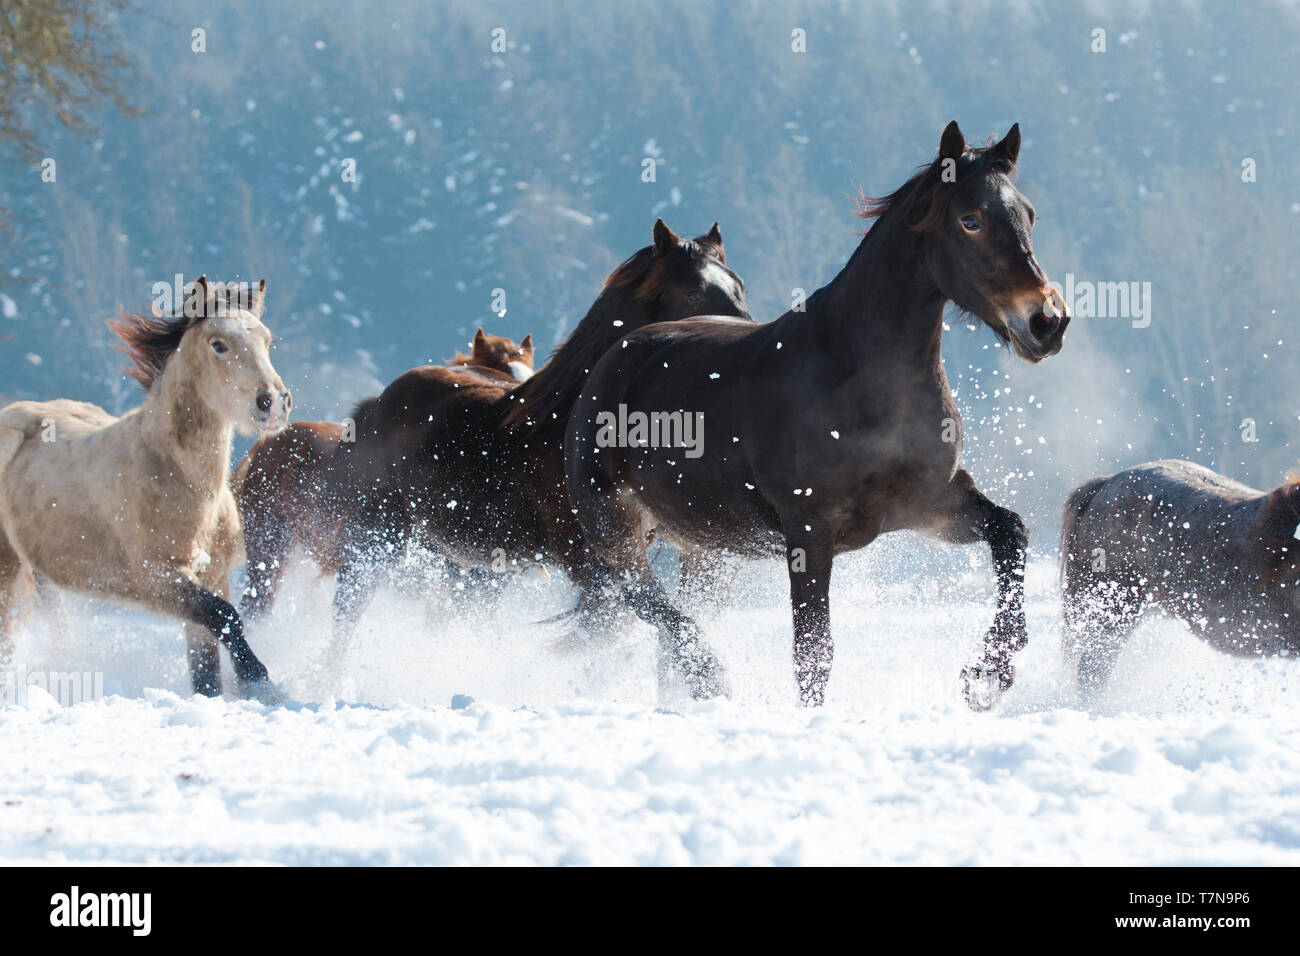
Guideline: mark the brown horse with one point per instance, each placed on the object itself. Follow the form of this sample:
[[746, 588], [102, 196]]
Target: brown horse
[[280, 484], [1172, 536], [497, 353], [138, 508], [475, 471], [826, 428]]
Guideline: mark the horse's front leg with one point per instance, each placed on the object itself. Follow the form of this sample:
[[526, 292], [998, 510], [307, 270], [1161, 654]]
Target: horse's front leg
[[809, 554], [218, 617], [963, 515]]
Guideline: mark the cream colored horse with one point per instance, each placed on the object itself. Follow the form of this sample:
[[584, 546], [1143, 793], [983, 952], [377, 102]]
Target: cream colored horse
[[139, 508]]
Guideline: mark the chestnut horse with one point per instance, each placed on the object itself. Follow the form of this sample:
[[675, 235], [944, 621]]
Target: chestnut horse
[[1173, 536], [280, 484], [475, 471], [829, 426], [498, 354], [138, 508]]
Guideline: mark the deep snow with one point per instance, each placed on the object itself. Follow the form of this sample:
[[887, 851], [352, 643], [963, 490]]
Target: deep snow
[[566, 755]]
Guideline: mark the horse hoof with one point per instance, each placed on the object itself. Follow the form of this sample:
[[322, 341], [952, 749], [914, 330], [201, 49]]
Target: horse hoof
[[983, 684], [708, 682], [262, 691], [709, 689]]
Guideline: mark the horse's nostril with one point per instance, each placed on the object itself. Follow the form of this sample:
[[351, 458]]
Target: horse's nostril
[[264, 401], [287, 399], [1040, 325]]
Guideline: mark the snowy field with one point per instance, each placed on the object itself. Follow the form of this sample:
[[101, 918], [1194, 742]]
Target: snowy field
[[485, 742]]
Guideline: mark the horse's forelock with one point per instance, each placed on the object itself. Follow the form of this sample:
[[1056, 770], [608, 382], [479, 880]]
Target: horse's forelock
[[646, 273], [924, 198]]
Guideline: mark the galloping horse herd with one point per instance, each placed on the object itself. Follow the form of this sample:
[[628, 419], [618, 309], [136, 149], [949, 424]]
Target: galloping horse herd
[[818, 432]]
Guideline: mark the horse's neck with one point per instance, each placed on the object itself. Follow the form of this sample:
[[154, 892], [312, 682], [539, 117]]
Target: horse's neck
[[884, 305], [555, 386], [183, 430]]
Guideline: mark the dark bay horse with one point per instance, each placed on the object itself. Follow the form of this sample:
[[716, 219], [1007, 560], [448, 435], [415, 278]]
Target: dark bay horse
[[1170, 535], [280, 485], [829, 426], [475, 471]]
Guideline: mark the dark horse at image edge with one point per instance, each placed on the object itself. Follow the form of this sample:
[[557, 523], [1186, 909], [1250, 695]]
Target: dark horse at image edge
[[1173, 536], [831, 425]]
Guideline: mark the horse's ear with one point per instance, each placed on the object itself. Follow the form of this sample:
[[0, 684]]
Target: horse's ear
[[480, 340], [1010, 145], [665, 239], [527, 343], [952, 144], [196, 303], [257, 299], [714, 238]]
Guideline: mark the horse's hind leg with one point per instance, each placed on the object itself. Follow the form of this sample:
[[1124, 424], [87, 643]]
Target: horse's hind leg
[[963, 516], [809, 555], [358, 579], [473, 591], [707, 583], [1097, 659], [1096, 621], [680, 647], [51, 599], [615, 530], [267, 543]]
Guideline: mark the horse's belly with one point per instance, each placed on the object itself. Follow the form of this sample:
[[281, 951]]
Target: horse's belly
[[484, 519], [718, 512]]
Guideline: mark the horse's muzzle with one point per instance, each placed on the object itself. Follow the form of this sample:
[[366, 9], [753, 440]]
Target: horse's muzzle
[[1043, 333], [272, 413]]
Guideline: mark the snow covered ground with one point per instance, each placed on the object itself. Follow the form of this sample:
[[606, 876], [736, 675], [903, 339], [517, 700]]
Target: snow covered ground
[[566, 755]]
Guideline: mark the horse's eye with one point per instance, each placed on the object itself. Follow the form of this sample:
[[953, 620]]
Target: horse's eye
[[970, 223], [219, 346], [694, 297]]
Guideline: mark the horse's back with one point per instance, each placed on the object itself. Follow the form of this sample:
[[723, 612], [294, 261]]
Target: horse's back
[[1171, 486], [44, 434], [696, 331], [417, 395], [31, 418], [1156, 524]]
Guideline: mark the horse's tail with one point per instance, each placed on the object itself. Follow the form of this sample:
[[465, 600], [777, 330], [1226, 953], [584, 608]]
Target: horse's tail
[[1071, 516]]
